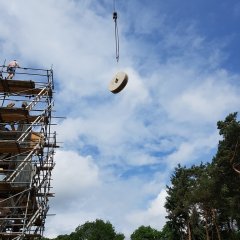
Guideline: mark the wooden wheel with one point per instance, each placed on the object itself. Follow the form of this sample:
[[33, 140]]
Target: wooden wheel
[[118, 82]]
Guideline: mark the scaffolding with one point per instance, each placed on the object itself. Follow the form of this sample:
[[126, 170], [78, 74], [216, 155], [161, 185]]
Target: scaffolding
[[27, 148]]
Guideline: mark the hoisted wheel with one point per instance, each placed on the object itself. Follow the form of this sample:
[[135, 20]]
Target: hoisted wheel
[[118, 83]]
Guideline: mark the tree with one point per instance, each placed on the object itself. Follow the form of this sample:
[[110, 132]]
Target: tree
[[167, 231], [203, 197], [227, 178], [97, 230], [62, 237], [179, 202], [203, 201], [146, 233]]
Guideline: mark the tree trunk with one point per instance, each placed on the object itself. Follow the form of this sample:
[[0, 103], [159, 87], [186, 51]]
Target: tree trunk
[[205, 214], [189, 231], [207, 233], [215, 223]]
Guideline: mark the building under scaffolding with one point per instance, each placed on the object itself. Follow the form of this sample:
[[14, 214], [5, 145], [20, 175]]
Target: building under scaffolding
[[27, 146]]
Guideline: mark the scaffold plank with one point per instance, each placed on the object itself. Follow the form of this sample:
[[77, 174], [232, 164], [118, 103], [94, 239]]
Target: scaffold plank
[[14, 135], [21, 84], [9, 135], [15, 234], [9, 115], [4, 186], [14, 147], [20, 87], [49, 168]]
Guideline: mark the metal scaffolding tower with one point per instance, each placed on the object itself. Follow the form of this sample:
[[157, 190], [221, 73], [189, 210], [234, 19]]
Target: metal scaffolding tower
[[27, 147]]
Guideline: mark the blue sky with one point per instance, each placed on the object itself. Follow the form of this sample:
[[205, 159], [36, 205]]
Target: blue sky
[[119, 151]]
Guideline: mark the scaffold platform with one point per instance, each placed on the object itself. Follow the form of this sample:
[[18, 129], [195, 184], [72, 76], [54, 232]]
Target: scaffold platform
[[27, 148]]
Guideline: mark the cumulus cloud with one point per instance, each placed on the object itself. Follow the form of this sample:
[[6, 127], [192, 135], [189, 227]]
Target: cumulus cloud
[[119, 150], [209, 100], [74, 172], [154, 215]]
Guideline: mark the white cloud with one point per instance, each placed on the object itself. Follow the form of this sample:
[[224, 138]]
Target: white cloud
[[114, 199], [153, 216], [67, 222], [195, 150], [166, 114], [208, 101], [74, 172]]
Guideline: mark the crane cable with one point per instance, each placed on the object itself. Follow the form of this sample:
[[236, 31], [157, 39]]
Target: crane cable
[[116, 32]]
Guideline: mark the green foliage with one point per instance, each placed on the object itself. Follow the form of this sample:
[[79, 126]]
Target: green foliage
[[179, 203], [203, 201], [168, 232], [146, 233], [62, 237], [97, 230]]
